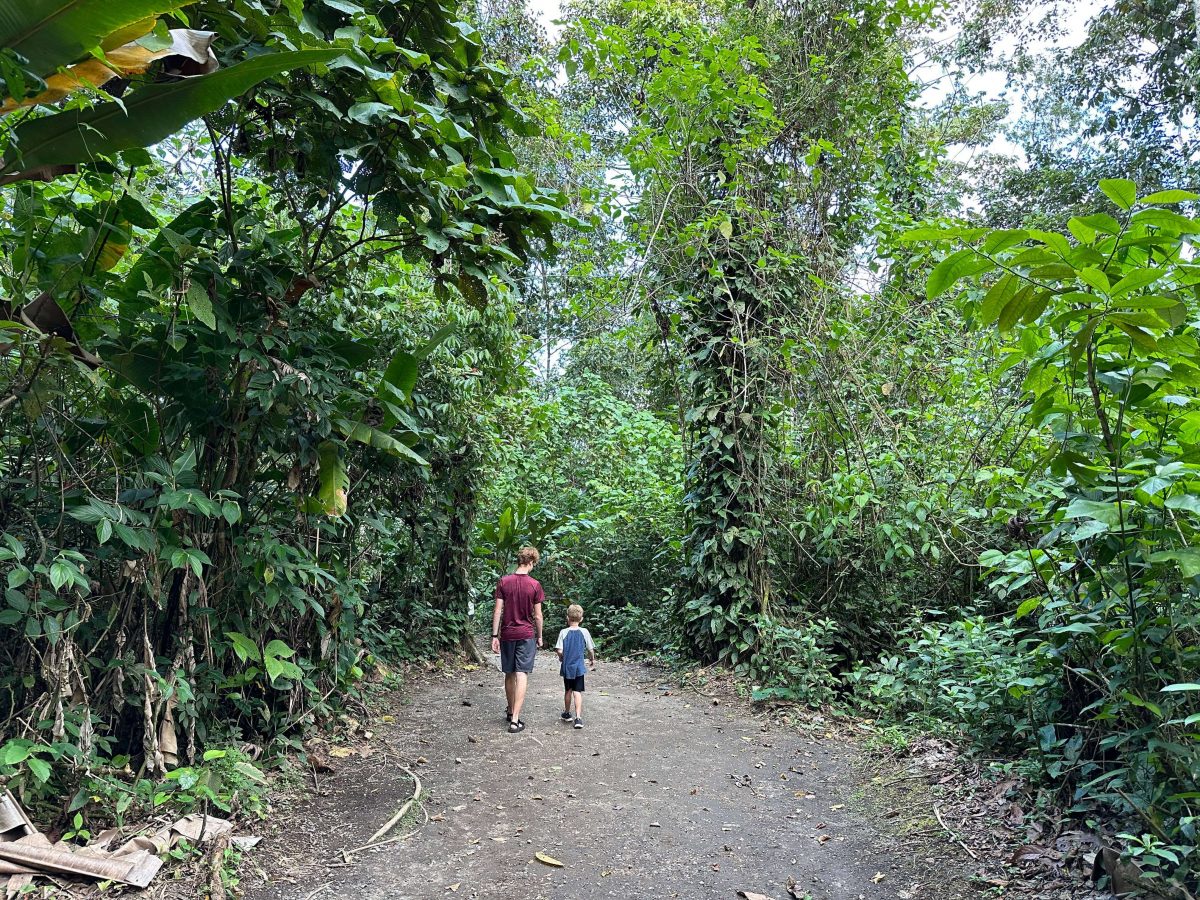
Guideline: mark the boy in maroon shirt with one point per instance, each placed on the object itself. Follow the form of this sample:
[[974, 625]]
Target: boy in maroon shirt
[[517, 631]]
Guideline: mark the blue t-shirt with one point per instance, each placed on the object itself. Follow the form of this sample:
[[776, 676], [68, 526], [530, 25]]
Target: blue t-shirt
[[573, 642]]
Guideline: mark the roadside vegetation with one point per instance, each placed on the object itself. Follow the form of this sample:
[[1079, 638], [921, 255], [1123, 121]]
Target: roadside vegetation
[[792, 348]]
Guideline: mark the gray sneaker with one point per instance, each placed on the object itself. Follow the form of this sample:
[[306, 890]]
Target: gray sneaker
[[579, 723], [566, 716]]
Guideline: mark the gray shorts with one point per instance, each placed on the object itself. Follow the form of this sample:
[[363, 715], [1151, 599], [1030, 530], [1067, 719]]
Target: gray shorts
[[518, 656]]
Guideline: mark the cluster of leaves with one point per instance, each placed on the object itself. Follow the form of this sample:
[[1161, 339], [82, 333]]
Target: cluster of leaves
[[1093, 665], [240, 373]]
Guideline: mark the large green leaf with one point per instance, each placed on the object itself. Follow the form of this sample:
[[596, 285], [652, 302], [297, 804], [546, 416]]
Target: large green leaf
[[959, 264], [1187, 558], [54, 33], [436, 341], [380, 440], [399, 378], [333, 479], [153, 113], [1120, 191]]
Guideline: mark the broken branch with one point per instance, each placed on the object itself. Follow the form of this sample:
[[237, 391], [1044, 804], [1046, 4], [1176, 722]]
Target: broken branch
[[938, 813], [387, 826]]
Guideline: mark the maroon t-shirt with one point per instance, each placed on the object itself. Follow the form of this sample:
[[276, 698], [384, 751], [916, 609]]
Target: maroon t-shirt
[[520, 594]]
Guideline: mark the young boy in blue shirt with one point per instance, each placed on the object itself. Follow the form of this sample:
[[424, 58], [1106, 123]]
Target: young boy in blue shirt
[[572, 642]]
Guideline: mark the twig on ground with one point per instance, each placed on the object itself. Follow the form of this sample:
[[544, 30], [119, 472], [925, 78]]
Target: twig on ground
[[323, 887], [913, 777], [392, 840], [937, 811], [387, 826]]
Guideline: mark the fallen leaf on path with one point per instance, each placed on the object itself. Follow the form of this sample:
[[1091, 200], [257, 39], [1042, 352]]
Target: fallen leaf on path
[[878, 877], [454, 887], [750, 895], [838, 806], [548, 860], [340, 752]]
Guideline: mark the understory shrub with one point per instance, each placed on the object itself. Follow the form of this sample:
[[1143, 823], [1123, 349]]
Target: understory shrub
[[791, 661], [976, 680]]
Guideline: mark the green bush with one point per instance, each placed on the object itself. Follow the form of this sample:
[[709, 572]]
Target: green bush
[[976, 680]]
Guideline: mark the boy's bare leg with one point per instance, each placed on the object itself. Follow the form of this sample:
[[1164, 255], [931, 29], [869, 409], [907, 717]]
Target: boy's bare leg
[[520, 682], [567, 700], [510, 683], [578, 704]]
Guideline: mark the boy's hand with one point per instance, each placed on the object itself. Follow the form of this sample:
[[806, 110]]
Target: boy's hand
[[495, 645]]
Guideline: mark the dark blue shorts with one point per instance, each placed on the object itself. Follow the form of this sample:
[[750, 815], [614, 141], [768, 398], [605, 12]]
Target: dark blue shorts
[[573, 684], [518, 656]]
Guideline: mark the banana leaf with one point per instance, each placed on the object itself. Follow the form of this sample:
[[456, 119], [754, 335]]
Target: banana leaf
[[146, 117], [53, 33]]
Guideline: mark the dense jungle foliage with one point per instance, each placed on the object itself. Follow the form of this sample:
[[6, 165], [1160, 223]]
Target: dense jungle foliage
[[850, 345]]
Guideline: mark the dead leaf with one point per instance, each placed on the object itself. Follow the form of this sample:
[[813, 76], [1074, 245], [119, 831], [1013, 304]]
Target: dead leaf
[[188, 54], [878, 877], [41, 173], [548, 860], [454, 887], [750, 895], [341, 752], [1026, 853]]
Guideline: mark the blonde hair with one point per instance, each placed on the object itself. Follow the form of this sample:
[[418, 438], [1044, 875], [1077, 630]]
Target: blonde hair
[[574, 613], [528, 556]]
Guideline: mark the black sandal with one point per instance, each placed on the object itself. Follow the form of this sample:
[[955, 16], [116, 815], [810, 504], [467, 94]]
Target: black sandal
[[516, 727]]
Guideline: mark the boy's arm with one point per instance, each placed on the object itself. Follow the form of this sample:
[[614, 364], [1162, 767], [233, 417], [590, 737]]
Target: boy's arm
[[537, 622], [591, 647], [496, 624]]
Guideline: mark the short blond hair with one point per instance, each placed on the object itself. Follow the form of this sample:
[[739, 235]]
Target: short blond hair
[[574, 613], [528, 556]]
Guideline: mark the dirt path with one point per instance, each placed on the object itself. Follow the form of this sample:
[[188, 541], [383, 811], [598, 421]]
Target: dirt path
[[664, 794]]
